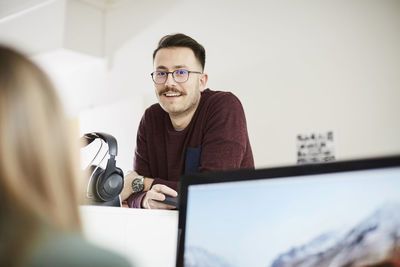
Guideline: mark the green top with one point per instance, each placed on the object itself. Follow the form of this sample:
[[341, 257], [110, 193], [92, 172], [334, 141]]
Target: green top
[[71, 250]]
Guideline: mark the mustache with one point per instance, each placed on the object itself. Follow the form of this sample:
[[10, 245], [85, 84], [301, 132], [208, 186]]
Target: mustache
[[170, 89]]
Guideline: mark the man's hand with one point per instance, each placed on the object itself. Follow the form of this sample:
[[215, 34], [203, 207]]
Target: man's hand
[[158, 192]]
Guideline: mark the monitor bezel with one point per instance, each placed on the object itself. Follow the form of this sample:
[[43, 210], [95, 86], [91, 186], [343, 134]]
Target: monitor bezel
[[269, 173]]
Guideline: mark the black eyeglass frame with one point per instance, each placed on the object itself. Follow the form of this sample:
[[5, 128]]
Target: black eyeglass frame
[[173, 76]]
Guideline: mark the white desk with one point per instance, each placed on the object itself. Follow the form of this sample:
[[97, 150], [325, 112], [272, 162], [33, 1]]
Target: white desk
[[146, 237]]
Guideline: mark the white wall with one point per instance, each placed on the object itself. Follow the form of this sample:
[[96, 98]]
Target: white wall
[[32, 25], [297, 66]]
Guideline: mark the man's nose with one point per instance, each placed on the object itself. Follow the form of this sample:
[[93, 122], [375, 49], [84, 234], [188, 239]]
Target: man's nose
[[170, 80]]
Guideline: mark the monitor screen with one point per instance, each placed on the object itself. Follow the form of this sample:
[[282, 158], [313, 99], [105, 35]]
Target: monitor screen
[[338, 214]]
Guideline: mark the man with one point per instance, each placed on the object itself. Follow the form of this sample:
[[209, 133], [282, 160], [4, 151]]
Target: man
[[191, 129]]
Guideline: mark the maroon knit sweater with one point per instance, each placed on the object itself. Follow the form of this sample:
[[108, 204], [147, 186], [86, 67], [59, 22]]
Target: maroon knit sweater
[[216, 139]]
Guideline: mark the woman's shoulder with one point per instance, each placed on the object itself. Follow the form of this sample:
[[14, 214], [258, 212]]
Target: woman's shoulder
[[73, 250]]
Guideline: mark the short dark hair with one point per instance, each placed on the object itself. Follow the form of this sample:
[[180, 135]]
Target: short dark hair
[[182, 40]]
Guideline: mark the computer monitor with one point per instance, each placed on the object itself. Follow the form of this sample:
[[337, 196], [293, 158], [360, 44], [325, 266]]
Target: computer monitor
[[331, 214]]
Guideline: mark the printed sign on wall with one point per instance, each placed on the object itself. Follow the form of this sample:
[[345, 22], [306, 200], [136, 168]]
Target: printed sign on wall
[[315, 148]]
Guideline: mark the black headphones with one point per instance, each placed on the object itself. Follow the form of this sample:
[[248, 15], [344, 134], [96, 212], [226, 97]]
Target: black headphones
[[105, 185]]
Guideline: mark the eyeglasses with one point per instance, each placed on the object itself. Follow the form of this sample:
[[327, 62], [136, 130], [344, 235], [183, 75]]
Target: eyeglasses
[[180, 76]]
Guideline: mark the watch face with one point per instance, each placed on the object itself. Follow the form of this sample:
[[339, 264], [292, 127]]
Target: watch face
[[137, 185]]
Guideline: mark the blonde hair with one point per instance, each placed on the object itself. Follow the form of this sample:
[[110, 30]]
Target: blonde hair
[[39, 163]]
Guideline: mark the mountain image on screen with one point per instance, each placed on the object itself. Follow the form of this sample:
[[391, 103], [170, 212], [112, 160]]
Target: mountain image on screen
[[199, 257], [374, 240]]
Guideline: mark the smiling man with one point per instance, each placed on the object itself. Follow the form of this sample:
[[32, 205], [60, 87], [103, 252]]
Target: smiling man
[[191, 129]]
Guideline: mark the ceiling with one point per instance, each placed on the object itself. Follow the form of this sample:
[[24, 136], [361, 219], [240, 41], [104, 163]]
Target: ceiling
[[10, 7], [93, 27]]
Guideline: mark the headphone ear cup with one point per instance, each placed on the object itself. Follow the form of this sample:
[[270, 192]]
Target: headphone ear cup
[[95, 173], [111, 186], [121, 181]]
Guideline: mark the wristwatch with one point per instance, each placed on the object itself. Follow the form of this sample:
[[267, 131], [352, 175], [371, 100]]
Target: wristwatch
[[138, 184]]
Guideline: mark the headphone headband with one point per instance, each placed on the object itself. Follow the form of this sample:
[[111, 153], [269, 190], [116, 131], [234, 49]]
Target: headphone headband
[[109, 139], [105, 184]]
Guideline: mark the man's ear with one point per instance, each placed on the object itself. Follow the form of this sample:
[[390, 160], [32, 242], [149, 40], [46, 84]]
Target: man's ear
[[203, 81]]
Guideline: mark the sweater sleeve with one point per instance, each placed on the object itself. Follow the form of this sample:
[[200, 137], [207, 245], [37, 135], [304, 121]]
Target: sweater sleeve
[[141, 159], [135, 200], [142, 165], [225, 143]]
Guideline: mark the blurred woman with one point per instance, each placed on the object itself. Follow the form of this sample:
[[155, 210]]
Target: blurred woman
[[39, 174]]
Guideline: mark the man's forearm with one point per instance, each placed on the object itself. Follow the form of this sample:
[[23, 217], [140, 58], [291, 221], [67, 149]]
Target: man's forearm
[[128, 179], [147, 183]]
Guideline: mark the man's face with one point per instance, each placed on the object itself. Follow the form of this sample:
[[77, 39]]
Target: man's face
[[179, 98]]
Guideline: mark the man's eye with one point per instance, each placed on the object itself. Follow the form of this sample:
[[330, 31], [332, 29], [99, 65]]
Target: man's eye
[[161, 73], [181, 72]]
